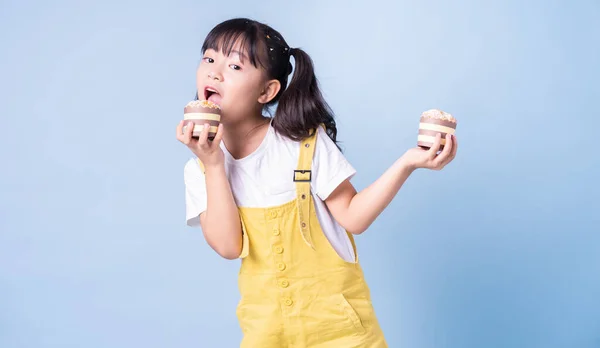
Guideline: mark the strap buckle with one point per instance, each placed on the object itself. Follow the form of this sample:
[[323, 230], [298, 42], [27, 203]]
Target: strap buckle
[[303, 171]]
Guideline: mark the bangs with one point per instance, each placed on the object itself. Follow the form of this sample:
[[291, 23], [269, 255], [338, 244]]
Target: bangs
[[236, 34]]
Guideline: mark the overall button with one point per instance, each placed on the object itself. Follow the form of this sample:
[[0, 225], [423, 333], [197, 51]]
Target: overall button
[[281, 266], [303, 224], [284, 283], [276, 232], [273, 214], [279, 249], [288, 302]]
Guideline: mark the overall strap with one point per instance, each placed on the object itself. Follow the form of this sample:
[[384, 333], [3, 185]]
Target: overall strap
[[302, 178]]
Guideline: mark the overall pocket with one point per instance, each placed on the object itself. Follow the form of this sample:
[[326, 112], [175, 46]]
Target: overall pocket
[[350, 313]]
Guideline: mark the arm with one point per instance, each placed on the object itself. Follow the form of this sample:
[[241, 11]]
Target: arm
[[220, 221], [357, 211]]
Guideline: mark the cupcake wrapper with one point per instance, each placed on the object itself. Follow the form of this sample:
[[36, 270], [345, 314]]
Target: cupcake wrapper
[[429, 128]]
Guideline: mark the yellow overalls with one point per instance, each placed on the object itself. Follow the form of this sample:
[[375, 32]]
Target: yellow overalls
[[296, 291]]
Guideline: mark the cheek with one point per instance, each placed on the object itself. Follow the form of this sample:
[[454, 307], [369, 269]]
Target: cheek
[[245, 90], [199, 82]]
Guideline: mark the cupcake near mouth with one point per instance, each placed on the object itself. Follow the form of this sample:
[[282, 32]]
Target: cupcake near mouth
[[432, 122], [201, 112]]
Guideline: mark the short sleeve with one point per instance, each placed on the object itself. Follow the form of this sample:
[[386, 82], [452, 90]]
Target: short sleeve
[[196, 201], [195, 192], [330, 166]]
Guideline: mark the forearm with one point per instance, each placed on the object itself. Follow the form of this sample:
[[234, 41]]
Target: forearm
[[369, 203], [221, 221]]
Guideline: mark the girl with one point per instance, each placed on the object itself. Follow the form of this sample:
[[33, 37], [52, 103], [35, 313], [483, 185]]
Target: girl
[[276, 192]]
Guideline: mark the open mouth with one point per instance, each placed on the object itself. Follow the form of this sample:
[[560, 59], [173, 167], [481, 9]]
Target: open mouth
[[211, 94]]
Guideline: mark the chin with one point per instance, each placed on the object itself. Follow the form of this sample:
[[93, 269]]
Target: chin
[[229, 116]]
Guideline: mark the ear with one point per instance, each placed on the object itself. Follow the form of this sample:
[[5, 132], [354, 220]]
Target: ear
[[270, 90]]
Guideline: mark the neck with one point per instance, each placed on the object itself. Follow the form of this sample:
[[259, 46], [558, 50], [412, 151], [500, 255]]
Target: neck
[[243, 137]]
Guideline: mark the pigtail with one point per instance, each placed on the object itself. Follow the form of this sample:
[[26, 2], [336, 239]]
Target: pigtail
[[301, 107]]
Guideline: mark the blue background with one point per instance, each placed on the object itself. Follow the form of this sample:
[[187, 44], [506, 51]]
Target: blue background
[[500, 249]]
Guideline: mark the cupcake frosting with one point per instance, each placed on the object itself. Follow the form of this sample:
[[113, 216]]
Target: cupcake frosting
[[203, 104], [439, 115]]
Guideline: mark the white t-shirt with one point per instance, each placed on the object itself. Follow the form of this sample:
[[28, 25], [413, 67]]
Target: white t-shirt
[[264, 179]]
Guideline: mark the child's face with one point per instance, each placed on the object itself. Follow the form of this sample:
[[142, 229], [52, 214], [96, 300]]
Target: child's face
[[238, 83]]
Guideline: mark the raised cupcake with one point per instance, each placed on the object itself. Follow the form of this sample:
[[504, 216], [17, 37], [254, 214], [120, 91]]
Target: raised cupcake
[[432, 122], [201, 112]]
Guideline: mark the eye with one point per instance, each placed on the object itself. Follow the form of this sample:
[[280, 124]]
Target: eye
[[208, 60], [235, 67]]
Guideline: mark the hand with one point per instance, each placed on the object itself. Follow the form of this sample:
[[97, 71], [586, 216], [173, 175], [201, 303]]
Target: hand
[[209, 152], [420, 158]]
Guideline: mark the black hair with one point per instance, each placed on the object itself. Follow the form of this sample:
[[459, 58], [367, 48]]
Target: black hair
[[301, 106]]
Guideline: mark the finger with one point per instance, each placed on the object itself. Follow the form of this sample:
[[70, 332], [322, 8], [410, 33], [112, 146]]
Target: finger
[[187, 134], [452, 154], [179, 131], [218, 136], [433, 150], [444, 157], [203, 138], [447, 146], [189, 129], [454, 146]]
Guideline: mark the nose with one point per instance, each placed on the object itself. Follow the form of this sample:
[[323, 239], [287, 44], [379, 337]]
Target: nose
[[213, 75]]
